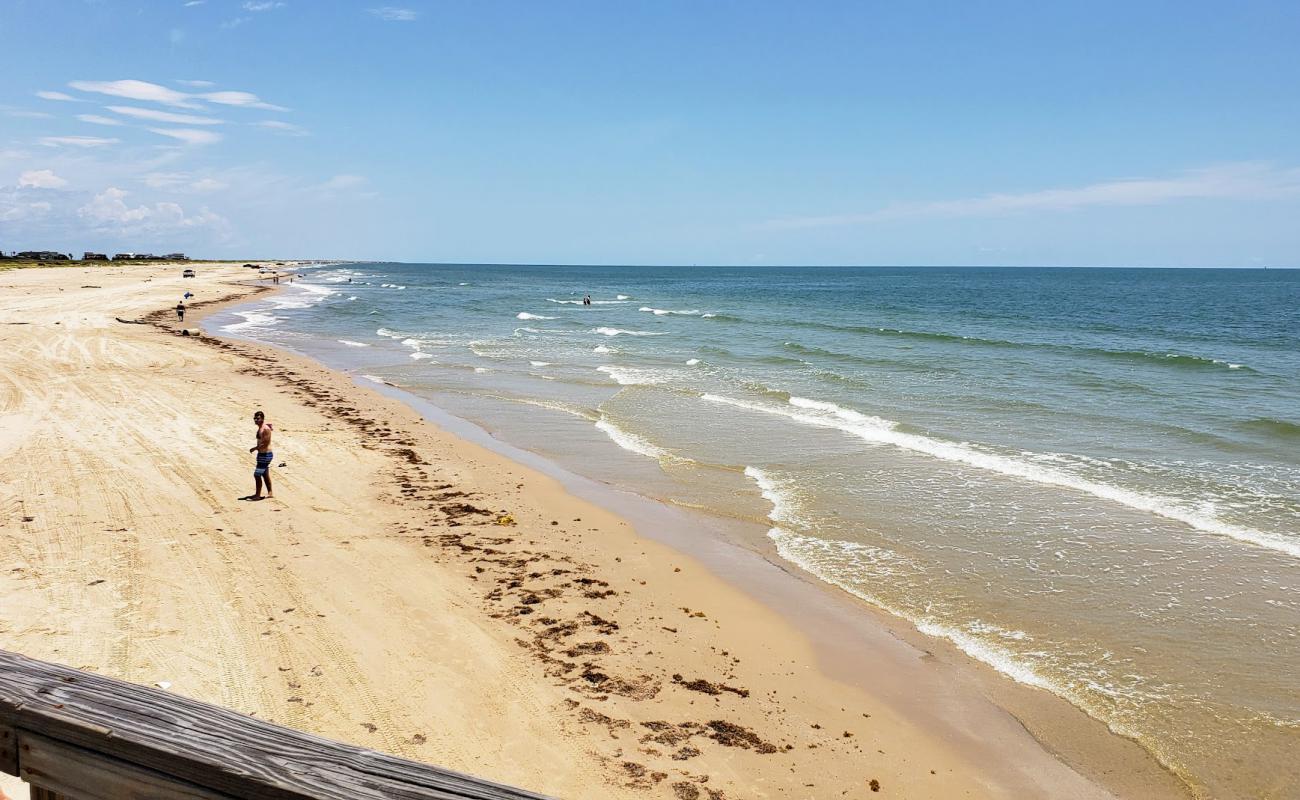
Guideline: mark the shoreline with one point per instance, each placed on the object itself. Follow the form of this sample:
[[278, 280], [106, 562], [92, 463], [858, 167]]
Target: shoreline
[[608, 720], [1067, 733]]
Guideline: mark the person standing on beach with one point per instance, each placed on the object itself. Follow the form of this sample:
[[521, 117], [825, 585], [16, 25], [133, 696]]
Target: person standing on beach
[[180, 311], [262, 469]]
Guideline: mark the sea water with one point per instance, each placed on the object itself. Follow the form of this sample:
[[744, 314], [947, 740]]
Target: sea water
[[1088, 479]]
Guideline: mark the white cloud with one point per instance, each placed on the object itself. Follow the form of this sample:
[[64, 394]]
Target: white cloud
[[266, 6], [152, 92], [197, 84], [41, 179], [56, 96], [343, 182], [24, 113], [109, 211], [137, 90], [234, 23], [189, 135], [394, 14], [192, 3], [1226, 181], [244, 99], [96, 119], [76, 141], [164, 116], [208, 185], [287, 128]]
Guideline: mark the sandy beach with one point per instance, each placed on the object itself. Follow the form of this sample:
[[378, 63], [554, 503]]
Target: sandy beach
[[415, 592]]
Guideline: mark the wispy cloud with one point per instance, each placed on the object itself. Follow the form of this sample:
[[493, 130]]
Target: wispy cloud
[[164, 116], [41, 179], [155, 93], [189, 135], [197, 84], [24, 113], [234, 23], [266, 6], [182, 182], [96, 119], [1225, 181], [394, 14], [76, 141], [286, 128], [343, 182], [67, 98], [137, 90], [244, 99], [192, 3]]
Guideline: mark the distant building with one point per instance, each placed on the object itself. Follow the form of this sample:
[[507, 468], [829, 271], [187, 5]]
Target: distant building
[[44, 255], [123, 256], [176, 257], [89, 256]]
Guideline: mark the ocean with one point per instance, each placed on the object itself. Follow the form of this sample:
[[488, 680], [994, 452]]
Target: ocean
[[1088, 479]]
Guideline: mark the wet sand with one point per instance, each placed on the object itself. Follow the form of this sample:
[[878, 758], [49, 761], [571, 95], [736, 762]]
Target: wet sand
[[427, 594]]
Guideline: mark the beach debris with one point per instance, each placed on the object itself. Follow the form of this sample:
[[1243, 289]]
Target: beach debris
[[130, 321], [164, 685], [874, 785], [505, 519]]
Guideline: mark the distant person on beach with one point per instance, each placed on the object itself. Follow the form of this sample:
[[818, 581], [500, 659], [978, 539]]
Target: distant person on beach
[[180, 311], [262, 470], [586, 301]]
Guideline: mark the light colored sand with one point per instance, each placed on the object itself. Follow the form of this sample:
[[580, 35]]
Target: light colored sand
[[352, 607]]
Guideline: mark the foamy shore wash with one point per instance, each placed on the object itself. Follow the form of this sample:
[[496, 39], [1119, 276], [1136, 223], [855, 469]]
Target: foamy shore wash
[[749, 385]]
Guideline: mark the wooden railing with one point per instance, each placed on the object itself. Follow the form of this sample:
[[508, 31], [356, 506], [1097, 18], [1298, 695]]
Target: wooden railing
[[74, 735]]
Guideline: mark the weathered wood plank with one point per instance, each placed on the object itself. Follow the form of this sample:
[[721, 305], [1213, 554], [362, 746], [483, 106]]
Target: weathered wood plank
[[76, 773], [8, 755], [211, 747]]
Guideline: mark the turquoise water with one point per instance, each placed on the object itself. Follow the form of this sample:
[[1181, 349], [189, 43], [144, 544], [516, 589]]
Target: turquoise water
[[1088, 479]]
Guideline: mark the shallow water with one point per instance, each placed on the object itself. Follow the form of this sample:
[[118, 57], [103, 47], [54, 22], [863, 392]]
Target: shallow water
[[1088, 479]]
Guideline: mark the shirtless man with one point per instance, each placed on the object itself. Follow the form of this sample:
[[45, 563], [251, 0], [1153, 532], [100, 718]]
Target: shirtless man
[[264, 455]]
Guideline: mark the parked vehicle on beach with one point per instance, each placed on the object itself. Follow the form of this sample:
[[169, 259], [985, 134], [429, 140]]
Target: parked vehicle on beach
[[189, 273]]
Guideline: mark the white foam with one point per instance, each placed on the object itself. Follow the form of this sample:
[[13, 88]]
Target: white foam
[[630, 441], [690, 362], [419, 356], [540, 363], [481, 370], [880, 431], [376, 379], [391, 286], [526, 315], [621, 332], [630, 376], [252, 319], [775, 494], [389, 334], [351, 343], [593, 302], [600, 348], [663, 312], [623, 297]]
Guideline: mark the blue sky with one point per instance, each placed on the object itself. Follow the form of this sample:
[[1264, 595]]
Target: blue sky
[[694, 132]]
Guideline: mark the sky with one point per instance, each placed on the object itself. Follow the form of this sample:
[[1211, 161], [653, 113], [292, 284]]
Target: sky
[[668, 132]]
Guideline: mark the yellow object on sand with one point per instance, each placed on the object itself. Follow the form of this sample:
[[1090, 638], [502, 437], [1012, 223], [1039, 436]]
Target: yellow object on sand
[[505, 519]]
